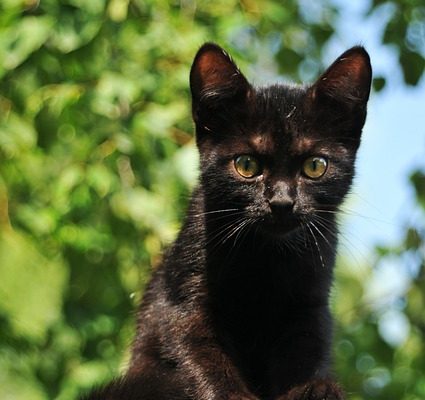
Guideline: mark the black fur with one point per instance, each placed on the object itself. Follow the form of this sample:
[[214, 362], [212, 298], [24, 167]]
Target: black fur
[[238, 310]]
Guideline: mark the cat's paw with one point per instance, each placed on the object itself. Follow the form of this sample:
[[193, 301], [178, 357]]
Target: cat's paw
[[320, 389]]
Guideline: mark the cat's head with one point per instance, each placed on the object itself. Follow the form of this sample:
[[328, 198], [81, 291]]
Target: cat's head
[[279, 155]]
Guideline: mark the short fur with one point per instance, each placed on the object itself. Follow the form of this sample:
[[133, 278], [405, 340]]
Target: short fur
[[239, 310]]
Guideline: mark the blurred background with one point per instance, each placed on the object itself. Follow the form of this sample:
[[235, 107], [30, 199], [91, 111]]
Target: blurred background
[[97, 161]]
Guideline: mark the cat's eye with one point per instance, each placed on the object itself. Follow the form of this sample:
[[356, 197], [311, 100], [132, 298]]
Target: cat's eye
[[247, 166], [315, 167]]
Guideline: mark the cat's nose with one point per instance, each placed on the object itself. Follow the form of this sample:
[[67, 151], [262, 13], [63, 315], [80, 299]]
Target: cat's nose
[[281, 205]]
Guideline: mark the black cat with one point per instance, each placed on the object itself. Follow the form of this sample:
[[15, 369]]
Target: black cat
[[239, 309]]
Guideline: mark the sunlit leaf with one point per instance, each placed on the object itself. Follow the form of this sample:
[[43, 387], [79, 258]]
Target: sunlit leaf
[[31, 287], [22, 39]]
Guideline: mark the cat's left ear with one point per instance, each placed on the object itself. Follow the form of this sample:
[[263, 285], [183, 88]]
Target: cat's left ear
[[215, 80], [347, 81]]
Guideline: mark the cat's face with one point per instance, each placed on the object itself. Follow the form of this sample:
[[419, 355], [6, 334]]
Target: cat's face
[[278, 157]]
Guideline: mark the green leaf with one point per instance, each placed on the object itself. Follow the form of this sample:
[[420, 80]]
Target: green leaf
[[379, 83], [418, 181], [101, 179], [20, 40], [31, 286], [17, 135], [413, 239], [287, 60], [77, 25], [413, 66], [13, 386]]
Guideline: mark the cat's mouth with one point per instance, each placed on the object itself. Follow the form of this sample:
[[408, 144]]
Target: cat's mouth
[[280, 226]]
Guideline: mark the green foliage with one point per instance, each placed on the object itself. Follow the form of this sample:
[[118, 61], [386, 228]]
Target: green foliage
[[404, 31], [97, 159], [371, 365]]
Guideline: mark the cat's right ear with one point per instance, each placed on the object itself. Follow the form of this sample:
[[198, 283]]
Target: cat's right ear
[[347, 81], [215, 79]]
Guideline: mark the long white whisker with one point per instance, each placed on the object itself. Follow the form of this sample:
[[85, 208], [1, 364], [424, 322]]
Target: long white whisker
[[316, 243], [216, 211], [223, 229], [321, 233], [346, 242], [227, 231]]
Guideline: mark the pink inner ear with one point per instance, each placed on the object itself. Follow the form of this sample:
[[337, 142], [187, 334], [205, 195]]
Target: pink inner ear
[[207, 62], [213, 68], [349, 76], [215, 79], [357, 66], [353, 66]]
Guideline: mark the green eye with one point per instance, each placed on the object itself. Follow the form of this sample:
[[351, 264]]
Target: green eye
[[315, 167], [247, 166]]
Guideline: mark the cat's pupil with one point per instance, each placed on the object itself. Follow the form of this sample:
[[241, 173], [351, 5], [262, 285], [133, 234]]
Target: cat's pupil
[[315, 167], [247, 166]]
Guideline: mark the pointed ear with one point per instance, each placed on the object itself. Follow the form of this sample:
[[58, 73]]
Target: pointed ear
[[215, 78], [347, 81]]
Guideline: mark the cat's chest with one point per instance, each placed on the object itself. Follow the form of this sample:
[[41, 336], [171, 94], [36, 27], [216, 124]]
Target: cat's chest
[[254, 290], [258, 294]]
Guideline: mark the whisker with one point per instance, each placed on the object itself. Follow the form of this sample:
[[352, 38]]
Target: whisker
[[215, 212], [329, 226], [346, 242], [242, 233], [222, 229], [227, 231], [321, 234], [316, 243], [240, 229], [353, 213]]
